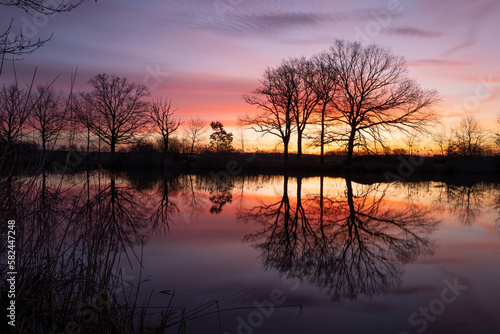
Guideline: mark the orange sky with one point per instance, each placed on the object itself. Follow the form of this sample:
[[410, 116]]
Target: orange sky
[[206, 57]]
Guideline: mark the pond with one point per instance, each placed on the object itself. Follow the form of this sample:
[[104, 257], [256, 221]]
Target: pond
[[252, 254]]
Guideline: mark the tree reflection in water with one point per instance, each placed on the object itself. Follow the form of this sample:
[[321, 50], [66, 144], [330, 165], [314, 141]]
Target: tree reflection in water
[[467, 202], [167, 208], [352, 243], [73, 237], [497, 207], [72, 241], [220, 195]]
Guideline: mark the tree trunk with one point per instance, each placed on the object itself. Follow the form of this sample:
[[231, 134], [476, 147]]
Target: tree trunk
[[113, 145], [350, 198], [88, 142], [44, 146], [321, 200], [299, 144], [285, 151], [286, 202], [322, 157], [299, 194], [350, 147], [165, 146]]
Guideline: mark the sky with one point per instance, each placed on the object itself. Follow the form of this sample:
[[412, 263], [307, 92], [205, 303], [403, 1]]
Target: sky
[[206, 54]]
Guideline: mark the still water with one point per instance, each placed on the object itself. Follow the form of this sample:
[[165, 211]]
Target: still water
[[255, 254]]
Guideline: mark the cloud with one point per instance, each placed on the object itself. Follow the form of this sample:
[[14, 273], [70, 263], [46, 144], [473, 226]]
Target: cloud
[[475, 25], [413, 32], [438, 62], [279, 21]]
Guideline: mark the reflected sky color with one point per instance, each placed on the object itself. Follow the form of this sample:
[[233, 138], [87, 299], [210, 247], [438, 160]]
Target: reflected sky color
[[205, 54], [378, 253], [234, 273]]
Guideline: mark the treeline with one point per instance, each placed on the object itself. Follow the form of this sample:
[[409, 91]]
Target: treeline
[[351, 96], [115, 112], [467, 138]]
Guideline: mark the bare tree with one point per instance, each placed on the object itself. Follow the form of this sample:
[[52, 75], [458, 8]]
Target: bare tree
[[15, 108], [374, 95], [468, 138], [48, 117], [441, 138], [43, 7], [184, 144], [305, 98], [240, 137], [114, 110], [325, 85], [194, 131], [83, 119], [14, 44], [162, 115], [412, 140], [275, 100]]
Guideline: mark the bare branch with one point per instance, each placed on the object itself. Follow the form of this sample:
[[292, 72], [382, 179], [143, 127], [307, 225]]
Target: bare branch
[[161, 114], [375, 96], [114, 110], [194, 131]]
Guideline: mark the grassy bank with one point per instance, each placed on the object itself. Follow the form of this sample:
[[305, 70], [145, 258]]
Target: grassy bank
[[396, 166]]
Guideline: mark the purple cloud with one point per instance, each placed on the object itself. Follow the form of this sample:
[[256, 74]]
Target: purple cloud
[[413, 32]]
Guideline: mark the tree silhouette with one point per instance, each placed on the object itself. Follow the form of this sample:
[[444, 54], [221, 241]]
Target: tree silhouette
[[15, 109], [220, 140], [194, 131], [375, 95], [467, 202], [192, 198], [275, 99], [114, 110], [468, 138], [162, 115], [441, 137], [166, 208], [325, 86], [48, 117], [348, 244], [220, 194], [84, 233], [305, 97], [118, 211], [12, 44]]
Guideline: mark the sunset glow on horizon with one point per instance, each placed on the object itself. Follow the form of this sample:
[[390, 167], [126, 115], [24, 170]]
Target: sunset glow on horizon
[[206, 54]]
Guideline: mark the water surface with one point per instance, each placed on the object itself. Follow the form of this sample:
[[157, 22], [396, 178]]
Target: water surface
[[268, 254]]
